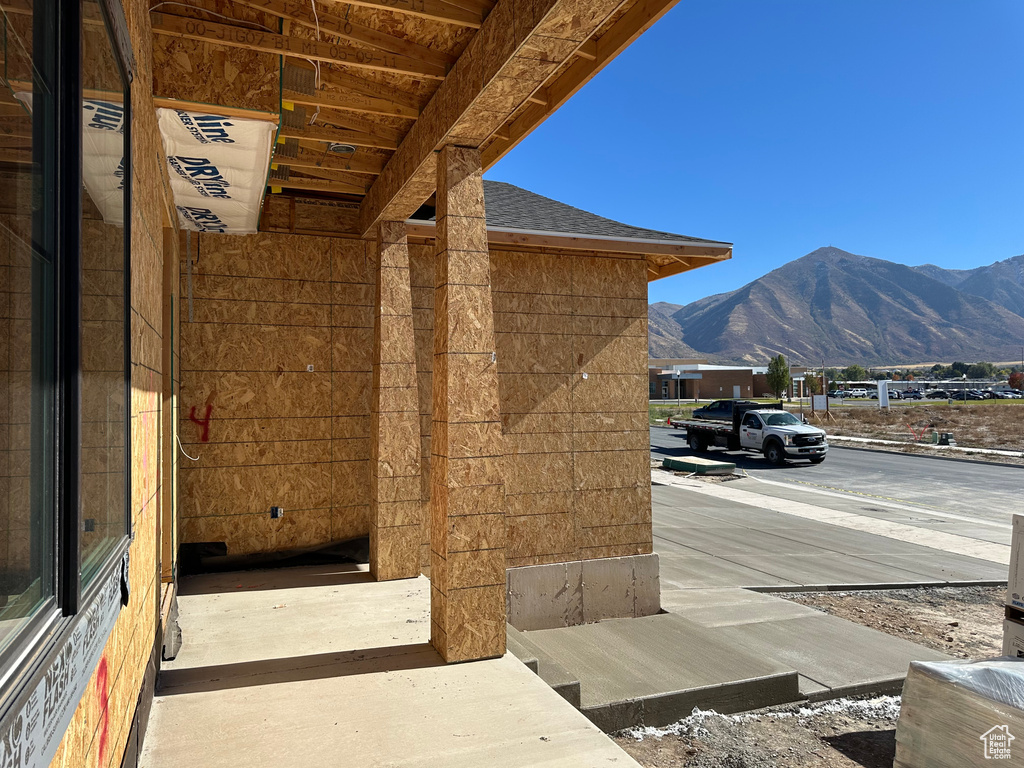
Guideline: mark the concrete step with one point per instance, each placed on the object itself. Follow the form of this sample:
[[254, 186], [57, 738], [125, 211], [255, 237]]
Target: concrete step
[[655, 670], [699, 466], [550, 671]]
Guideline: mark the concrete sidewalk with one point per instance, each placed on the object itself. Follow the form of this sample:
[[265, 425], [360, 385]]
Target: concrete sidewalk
[[322, 666]]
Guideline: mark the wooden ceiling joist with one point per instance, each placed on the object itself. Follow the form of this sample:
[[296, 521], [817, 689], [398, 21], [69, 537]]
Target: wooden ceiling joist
[[435, 10], [314, 154], [333, 25], [353, 102], [387, 93], [285, 45], [318, 185], [330, 119], [337, 136], [355, 181]]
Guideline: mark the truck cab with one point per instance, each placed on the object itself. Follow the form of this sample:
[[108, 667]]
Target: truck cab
[[780, 435]]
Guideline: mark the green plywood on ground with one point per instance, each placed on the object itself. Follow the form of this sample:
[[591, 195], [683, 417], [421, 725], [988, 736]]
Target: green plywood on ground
[[699, 466]]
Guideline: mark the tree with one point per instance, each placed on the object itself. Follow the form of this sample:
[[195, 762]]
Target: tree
[[855, 373], [1016, 380], [813, 385], [778, 375], [981, 371]]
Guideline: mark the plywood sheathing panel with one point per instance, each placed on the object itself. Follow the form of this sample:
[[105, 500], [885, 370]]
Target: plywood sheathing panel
[[467, 567], [202, 73], [396, 514], [572, 445], [264, 309]]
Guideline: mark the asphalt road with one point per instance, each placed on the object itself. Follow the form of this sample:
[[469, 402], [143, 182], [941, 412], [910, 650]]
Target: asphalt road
[[969, 498]]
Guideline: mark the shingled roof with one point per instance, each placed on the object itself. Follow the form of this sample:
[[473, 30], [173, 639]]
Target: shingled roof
[[513, 208]]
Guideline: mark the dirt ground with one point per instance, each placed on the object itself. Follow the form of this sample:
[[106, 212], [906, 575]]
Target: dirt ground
[[965, 622], [994, 425], [841, 734]]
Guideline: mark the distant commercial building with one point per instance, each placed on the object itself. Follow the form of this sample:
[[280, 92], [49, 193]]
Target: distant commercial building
[[692, 379]]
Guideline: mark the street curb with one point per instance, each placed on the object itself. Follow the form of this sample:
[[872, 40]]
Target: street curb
[[927, 455], [869, 587]]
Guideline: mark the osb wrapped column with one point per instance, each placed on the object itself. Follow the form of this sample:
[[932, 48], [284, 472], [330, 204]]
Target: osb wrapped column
[[395, 511], [467, 539]]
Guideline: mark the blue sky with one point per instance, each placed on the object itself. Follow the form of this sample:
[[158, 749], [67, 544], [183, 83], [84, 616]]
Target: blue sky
[[892, 129]]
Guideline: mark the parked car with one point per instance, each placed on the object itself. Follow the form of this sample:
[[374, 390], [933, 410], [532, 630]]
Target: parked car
[[937, 394], [719, 410], [859, 392], [912, 394], [836, 393]]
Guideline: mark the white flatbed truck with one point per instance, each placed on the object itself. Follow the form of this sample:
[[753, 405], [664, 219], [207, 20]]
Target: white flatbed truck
[[760, 428]]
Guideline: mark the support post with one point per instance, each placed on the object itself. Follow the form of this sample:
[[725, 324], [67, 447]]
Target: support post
[[395, 509], [467, 494]]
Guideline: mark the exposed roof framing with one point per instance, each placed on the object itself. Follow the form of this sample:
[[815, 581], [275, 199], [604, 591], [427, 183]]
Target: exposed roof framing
[[330, 23], [396, 79], [288, 45], [508, 64], [435, 10]]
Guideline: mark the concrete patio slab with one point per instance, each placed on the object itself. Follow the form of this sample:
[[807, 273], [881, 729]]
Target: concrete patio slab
[[844, 657], [310, 667], [833, 657], [655, 670]]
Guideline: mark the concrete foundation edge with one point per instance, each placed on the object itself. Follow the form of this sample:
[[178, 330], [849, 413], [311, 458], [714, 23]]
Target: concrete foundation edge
[[582, 591]]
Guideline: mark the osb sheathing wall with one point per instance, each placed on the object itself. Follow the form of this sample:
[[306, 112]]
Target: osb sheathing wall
[[98, 732], [275, 390], [268, 306], [571, 338]]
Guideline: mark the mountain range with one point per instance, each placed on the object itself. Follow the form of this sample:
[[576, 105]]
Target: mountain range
[[842, 308]]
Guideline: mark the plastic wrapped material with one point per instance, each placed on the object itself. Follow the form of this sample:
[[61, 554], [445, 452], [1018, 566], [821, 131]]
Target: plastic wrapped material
[[959, 714]]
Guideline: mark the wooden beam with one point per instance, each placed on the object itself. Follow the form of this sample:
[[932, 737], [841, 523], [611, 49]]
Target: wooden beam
[[488, 84], [352, 102], [633, 23], [214, 109], [318, 185], [337, 135], [349, 82], [312, 154], [352, 179], [330, 119], [285, 45], [435, 10], [331, 24]]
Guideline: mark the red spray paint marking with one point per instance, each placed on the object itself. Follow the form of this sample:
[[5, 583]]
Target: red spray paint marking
[[204, 424], [101, 687]]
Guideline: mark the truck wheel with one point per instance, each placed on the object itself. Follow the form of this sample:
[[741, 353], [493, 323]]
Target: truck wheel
[[696, 444], [817, 459], [774, 453]]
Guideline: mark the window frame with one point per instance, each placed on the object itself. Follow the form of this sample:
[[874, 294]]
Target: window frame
[[74, 618]]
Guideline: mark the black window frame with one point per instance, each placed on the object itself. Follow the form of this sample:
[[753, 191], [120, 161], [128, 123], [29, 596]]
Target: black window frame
[[43, 642]]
